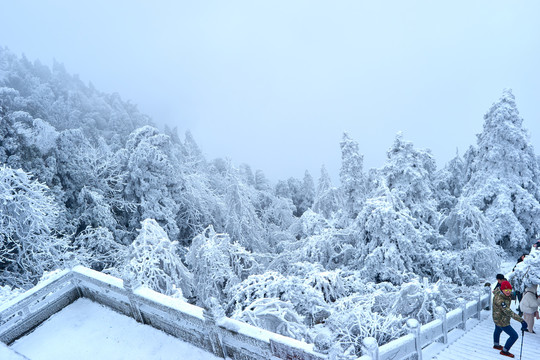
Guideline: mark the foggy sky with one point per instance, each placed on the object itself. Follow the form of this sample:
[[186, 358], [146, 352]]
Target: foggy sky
[[276, 83]]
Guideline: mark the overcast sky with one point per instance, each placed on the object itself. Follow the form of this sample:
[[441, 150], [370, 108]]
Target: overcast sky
[[276, 83]]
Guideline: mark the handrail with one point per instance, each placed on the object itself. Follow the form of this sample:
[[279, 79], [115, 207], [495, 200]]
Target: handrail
[[419, 337]]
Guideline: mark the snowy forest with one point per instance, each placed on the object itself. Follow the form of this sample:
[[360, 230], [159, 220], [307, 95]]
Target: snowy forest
[[85, 178]]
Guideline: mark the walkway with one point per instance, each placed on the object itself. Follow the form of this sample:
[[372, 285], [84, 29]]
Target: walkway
[[476, 343]]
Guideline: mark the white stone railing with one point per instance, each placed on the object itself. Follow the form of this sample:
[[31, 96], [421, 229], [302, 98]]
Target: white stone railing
[[410, 346], [224, 337]]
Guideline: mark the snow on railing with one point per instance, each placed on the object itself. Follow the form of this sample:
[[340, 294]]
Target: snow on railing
[[224, 337], [420, 336], [28, 310]]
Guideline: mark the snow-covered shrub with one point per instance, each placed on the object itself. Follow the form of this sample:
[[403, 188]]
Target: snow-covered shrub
[[328, 248], [307, 301], [448, 265], [470, 266], [154, 262], [329, 283], [485, 260], [274, 315], [217, 264], [415, 300], [353, 319], [312, 223], [97, 249], [36, 132]]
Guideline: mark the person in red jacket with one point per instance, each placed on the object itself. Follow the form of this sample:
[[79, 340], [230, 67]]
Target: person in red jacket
[[501, 317]]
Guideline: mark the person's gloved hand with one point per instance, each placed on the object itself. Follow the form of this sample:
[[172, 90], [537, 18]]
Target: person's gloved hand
[[523, 326]]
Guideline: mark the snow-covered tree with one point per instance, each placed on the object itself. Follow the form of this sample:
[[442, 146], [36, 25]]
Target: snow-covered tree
[[217, 264], [389, 246], [448, 184], [91, 179], [503, 176], [241, 222], [28, 221], [466, 224], [97, 249], [154, 262], [409, 173], [302, 193], [328, 200], [352, 176], [152, 181], [527, 272]]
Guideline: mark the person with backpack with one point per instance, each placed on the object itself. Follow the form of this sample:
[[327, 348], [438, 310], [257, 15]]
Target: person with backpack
[[501, 317], [529, 305]]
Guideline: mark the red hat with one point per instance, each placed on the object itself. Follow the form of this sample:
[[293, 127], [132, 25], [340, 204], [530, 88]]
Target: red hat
[[506, 285]]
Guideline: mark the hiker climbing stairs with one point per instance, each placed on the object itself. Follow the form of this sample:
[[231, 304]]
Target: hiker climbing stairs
[[476, 343]]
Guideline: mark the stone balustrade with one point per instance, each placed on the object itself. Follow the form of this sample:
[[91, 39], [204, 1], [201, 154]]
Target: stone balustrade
[[224, 337]]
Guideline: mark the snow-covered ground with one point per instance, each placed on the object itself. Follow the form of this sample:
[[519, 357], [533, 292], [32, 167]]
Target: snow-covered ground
[[86, 330]]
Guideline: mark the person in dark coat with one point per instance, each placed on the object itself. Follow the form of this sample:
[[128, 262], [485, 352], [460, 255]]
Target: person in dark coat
[[501, 317], [518, 294], [500, 278]]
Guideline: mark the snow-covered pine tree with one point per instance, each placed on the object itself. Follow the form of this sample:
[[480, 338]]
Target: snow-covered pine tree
[[152, 181], [389, 246], [503, 176], [448, 184], [328, 200], [241, 222], [408, 174], [353, 182]]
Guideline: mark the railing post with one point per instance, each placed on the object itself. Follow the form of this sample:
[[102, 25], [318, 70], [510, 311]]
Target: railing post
[[478, 304], [135, 312], [413, 327], [76, 282], [490, 300], [463, 306], [371, 348], [212, 312], [441, 315]]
